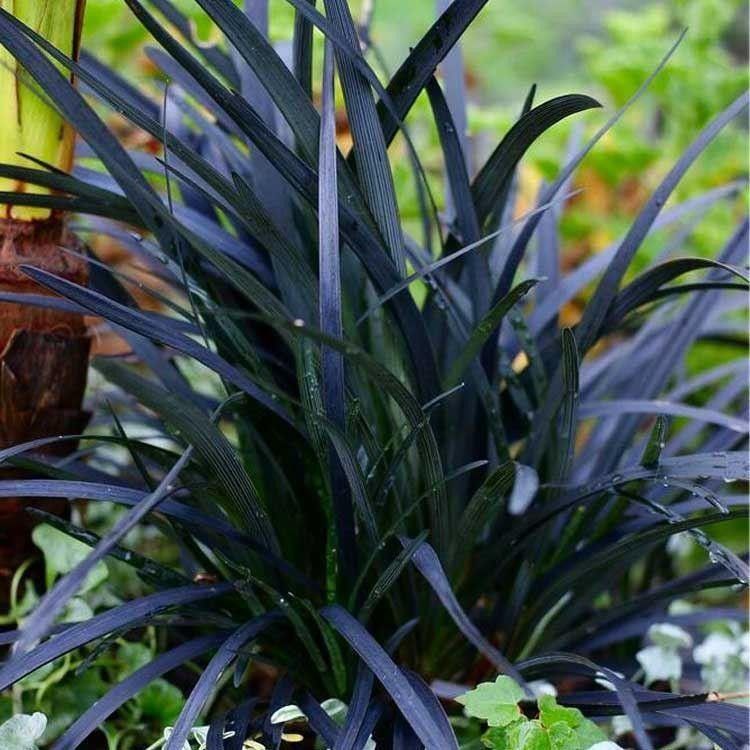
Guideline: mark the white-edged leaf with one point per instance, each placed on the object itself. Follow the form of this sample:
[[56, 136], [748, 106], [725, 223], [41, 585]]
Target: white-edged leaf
[[22, 731], [524, 489]]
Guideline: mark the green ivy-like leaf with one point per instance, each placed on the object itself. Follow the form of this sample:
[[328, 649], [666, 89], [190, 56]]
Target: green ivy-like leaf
[[6, 708], [131, 657], [499, 738], [562, 736], [528, 735], [550, 713], [557, 728], [76, 610], [589, 734], [495, 702], [65, 701], [583, 732], [161, 701], [62, 553]]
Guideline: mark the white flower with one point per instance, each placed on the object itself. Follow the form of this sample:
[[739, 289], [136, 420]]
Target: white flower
[[200, 735], [621, 725], [542, 687], [688, 737], [724, 660], [168, 733], [660, 663], [669, 636], [745, 649], [717, 648]]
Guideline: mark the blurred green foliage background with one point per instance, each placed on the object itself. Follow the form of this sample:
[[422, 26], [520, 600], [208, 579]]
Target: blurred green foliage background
[[605, 48]]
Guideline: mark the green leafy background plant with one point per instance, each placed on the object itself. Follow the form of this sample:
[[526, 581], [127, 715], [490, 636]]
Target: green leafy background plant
[[553, 728]]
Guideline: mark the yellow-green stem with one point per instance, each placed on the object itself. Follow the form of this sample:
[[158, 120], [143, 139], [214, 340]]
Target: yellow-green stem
[[29, 124]]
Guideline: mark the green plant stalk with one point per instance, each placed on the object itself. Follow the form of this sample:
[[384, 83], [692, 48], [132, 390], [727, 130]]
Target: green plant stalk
[[29, 124]]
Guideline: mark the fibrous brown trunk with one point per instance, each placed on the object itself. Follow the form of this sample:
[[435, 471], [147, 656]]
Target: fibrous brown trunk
[[43, 351], [43, 363]]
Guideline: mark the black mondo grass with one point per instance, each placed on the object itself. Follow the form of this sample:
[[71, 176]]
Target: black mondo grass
[[389, 493]]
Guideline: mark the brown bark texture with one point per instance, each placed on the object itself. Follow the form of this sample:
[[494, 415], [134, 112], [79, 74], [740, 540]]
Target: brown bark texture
[[43, 364]]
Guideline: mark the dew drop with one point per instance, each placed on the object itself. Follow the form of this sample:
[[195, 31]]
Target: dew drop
[[701, 538]]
